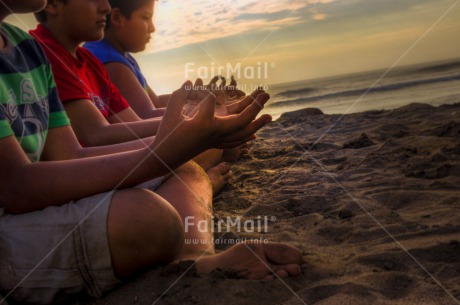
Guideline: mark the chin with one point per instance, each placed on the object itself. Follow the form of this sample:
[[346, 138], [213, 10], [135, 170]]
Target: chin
[[95, 37], [138, 49]]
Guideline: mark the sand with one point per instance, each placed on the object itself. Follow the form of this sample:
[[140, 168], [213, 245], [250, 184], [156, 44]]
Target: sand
[[372, 200]]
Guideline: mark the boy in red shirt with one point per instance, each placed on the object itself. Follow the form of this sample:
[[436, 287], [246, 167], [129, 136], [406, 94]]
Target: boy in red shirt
[[98, 112]]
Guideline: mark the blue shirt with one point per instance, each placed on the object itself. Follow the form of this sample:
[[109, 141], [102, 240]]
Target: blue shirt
[[106, 54]]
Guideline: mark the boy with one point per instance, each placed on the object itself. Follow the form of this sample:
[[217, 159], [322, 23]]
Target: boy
[[98, 112], [77, 222], [94, 105]]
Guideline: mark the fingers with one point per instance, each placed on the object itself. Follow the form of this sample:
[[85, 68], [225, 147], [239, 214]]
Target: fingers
[[251, 111], [239, 106], [220, 97], [251, 128], [199, 83], [214, 80], [177, 101], [240, 93], [199, 91], [233, 82], [238, 127], [223, 83], [207, 107]]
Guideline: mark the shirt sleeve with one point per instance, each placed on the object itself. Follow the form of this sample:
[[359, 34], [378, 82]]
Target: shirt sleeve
[[117, 101], [58, 116]]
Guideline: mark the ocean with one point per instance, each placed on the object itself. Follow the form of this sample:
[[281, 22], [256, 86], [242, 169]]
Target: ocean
[[434, 83]]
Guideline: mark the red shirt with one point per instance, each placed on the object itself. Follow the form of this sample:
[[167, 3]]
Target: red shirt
[[83, 78]]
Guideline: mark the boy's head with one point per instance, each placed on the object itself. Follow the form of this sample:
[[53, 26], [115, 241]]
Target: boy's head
[[26, 6], [130, 23], [76, 20], [41, 15], [127, 8]]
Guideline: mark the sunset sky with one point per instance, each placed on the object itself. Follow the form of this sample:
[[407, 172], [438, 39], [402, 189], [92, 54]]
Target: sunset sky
[[290, 40]]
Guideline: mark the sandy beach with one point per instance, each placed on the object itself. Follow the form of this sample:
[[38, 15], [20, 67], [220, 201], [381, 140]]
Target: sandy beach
[[372, 199]]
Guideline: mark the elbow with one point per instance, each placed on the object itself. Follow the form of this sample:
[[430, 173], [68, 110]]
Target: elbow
[[14, 210], [13, 195], [89, 141], [92, 139], [14, 205], [90, 135], [146, 114]]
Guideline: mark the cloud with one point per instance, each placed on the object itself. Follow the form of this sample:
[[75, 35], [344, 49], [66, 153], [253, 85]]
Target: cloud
[[195, 21]]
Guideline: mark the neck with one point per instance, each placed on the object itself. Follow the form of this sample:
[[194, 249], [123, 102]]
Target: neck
[[64, 40], [110, 38]]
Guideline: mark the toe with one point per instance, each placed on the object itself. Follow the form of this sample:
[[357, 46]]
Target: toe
[[227, 175], [282, 254], [268, 278], [293, 269], [282, 273], [224, 168]]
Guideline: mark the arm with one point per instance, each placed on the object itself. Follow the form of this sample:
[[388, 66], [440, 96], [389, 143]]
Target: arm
[[93, 129], [125, 80], [160, 101], [26, 186], [70, 148]]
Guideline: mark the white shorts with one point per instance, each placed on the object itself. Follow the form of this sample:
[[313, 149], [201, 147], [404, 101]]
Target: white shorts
[[47, 255]]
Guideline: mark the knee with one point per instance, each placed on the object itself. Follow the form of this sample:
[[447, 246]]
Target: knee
[[146, 226], [192, 170]]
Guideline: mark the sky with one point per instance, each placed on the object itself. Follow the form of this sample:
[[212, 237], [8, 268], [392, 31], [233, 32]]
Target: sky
[[277, 41]]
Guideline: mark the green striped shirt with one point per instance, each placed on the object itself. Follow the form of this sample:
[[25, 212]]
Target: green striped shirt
[[29, 103]]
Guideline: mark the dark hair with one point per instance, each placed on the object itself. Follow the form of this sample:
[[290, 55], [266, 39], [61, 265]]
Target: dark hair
[[126, 7], [41, 15]]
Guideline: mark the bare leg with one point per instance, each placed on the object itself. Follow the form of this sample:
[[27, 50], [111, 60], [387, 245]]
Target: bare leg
[[137, 222], [190, 192], [249, 260]]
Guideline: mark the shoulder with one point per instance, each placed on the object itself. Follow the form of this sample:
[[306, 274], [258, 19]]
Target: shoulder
[[15, 34], [89, 58], [104, 52], [23, 45], [55, 53], [20, 38]]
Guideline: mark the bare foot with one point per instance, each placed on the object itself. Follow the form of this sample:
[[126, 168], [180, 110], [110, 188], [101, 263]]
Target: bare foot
[[234, 154], [255, 260], [219, 176]]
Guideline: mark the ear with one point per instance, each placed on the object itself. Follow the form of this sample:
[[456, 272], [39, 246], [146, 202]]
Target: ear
[[116, 18], [52, 8]]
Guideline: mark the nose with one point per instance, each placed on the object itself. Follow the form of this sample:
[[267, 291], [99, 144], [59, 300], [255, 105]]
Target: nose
[[105, 7], [151, 27]]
